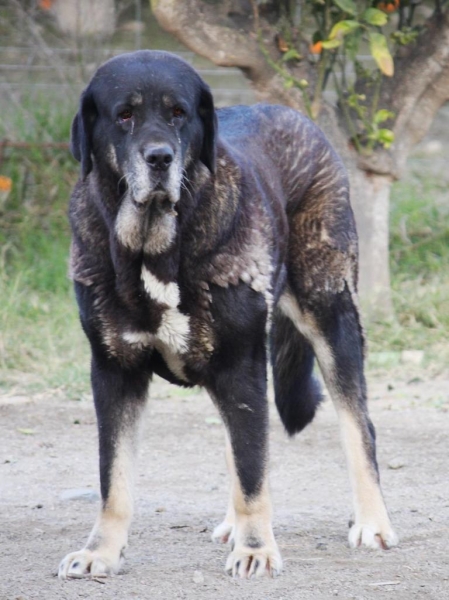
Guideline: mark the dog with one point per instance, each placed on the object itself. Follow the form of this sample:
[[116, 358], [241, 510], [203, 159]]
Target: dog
[[206, 242]]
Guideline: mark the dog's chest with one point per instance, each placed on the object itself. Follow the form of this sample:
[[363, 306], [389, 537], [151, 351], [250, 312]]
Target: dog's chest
[[180, 337]]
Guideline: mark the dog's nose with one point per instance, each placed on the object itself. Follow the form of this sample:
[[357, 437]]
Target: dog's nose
[[159, 157]]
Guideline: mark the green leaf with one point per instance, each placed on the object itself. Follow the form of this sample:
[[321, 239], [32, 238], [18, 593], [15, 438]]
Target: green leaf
[[373, 16], [342, 28], [385, 137], [329, 44], [383, 115], [292, 53], [381, 53], [352, 43], [288, 83], [347, 6]]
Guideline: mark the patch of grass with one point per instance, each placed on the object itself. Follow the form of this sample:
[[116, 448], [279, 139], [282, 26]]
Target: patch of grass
[[419, 229], [41, 342], [419, 238], [42, 345]]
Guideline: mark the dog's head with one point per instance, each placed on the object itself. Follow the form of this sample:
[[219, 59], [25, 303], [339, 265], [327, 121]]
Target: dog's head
[[144, 119]]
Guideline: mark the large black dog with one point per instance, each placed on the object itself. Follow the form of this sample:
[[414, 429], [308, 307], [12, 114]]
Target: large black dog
[[201, 239]]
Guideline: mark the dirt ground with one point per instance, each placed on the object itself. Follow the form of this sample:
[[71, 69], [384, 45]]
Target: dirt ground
[[48, 447]]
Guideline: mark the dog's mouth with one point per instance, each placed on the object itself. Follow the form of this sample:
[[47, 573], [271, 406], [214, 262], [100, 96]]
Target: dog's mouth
[[157, 201], [151, 193]]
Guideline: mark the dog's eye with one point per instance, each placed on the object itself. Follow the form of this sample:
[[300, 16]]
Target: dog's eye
[[178, 112], [125, 115]]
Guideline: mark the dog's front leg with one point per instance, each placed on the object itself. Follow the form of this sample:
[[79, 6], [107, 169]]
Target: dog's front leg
[[119, 401], [223, 532], [241, 399]]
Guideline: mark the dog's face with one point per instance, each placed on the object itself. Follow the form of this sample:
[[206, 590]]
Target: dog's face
[[143, 120]]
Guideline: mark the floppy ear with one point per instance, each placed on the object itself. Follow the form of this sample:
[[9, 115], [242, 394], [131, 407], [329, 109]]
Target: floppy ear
[[81, 137], [210, 126]]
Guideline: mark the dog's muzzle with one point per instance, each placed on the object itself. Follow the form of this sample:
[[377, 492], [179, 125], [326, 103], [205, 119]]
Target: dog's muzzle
[[154, 177]]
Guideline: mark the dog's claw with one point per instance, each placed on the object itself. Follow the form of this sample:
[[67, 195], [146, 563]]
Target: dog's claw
[[86, 563], [370, 537], [248, 563], [223, 533]]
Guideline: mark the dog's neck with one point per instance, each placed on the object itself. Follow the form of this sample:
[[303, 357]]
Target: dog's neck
[[199, 222]]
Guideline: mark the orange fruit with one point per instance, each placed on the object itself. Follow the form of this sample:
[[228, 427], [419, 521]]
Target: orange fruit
[[316, 48], [389, 7], [5, 184]]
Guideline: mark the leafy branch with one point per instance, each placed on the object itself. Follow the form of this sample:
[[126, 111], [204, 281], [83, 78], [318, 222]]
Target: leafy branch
[[333, 34]]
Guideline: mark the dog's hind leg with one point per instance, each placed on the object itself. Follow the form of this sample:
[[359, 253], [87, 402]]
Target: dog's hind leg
[[331, 325], [119, 401]]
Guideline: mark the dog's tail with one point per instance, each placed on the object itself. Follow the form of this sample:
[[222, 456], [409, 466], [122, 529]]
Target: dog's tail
[[297, 392]]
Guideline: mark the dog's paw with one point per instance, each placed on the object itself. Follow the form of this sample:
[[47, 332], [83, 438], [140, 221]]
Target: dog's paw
[[372, 537], [87, 563], [247, 562], [222, 533]]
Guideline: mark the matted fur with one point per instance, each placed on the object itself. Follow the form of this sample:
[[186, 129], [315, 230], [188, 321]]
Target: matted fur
[[197, 235]]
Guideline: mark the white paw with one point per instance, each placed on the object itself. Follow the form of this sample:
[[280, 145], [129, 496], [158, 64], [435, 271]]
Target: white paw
[[222, 534], [373, 537], [87, 563], [247, 562]]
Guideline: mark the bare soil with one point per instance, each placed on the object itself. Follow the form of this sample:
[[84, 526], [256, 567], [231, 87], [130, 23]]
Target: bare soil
[[48, 446]]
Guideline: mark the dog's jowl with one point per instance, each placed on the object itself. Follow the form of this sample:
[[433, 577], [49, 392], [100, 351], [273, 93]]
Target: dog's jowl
[[202, 239]]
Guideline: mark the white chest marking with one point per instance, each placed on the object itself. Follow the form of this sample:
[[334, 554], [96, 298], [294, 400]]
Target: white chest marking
[[174, 329], [164, 293], [172, 337]]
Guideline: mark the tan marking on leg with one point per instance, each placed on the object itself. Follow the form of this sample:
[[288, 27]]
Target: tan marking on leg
[[254, 548], [306, 325], [223, 532], [104, 551], [372, 526]]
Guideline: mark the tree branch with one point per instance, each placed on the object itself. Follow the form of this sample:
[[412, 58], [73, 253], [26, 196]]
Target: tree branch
[[202, 29], [426, 108], [418, 90], [420, 75]]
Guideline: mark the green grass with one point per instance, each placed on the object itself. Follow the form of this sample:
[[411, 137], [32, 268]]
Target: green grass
[[41, 343], [419, 229], [42, 346], [419, 250]]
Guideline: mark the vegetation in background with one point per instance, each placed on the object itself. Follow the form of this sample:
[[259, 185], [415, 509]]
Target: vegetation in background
[[40, 339], [340, 30], [419, 257], [41, 342]]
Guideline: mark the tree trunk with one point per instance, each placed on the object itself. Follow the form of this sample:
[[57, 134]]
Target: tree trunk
[[370, 199]]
